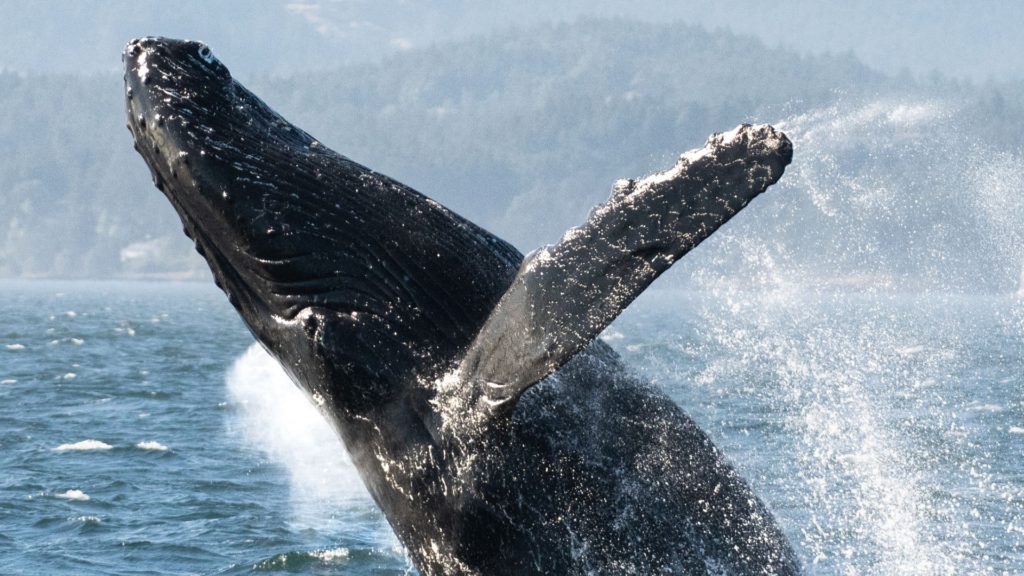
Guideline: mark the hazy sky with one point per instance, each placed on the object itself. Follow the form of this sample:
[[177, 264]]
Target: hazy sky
[[971, 39]]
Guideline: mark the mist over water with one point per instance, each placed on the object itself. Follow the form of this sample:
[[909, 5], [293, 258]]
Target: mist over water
[[888, 195]]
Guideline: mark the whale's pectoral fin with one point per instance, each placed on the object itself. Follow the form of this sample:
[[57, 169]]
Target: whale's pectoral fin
[[564, 295]]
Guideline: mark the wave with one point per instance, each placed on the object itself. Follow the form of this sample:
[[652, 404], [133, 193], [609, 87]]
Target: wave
[[83, 446], [151, 445], [95, 520], [302, 560], [76, 495]]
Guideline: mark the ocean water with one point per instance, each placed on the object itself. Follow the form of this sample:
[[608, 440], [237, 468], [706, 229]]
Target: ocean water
[[141, 432]]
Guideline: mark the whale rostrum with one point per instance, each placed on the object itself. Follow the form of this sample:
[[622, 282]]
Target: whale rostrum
[[494, 430]]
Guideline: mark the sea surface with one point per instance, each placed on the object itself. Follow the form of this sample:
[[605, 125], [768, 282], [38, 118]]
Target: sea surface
[[142, 432]]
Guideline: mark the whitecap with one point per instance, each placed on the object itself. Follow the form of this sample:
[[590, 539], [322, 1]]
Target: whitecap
[[151, 445], [70, 376], [71, 313], [9, 381], [15, 346], [76, 495], [83, 446], [86, 519], [1016, 430], [985, 408], [331, 554], [77, 341]]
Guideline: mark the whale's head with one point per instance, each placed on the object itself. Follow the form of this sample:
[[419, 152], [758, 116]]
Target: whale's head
[[215, 150], [314, 250]]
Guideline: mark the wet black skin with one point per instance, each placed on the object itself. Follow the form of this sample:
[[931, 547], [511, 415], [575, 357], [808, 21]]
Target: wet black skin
[[368, 293]]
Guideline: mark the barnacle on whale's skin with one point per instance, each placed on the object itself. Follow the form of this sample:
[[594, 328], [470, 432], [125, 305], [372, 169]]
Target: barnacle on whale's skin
[[496, 434]]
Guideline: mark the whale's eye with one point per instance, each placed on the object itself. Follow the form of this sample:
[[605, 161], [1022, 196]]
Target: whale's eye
[[206, 54]]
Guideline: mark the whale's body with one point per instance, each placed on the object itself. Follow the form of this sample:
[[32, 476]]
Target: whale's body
[[496, 434]]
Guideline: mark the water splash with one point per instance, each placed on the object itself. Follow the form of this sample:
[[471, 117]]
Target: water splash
[[886, 195], [275, 416], [806, 310]]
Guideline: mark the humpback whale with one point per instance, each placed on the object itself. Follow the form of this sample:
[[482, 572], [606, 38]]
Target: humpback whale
[[498, 435]]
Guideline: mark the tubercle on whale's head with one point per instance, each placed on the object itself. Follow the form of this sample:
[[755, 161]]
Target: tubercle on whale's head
[[214, 150]]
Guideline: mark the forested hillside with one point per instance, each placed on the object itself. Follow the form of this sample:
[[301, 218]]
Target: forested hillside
[[521, 131]]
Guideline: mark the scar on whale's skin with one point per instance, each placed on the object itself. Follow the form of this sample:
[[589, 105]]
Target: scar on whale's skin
[[495, 432]]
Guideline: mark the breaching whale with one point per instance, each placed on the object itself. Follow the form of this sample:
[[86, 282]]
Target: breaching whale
[[487, 422]]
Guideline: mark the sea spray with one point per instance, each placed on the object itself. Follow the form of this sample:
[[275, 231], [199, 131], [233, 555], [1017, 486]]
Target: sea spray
[[276, 416], [883, 195], [809, 311]]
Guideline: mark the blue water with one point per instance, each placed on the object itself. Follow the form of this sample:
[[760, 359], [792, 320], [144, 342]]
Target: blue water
[[140, 433]]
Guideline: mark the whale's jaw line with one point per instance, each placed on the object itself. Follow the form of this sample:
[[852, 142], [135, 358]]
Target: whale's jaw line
[[183, 111]]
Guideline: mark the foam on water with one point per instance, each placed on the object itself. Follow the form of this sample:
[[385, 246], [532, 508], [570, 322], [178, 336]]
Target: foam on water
[[83, 446], [76, 495], [151, 445]]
